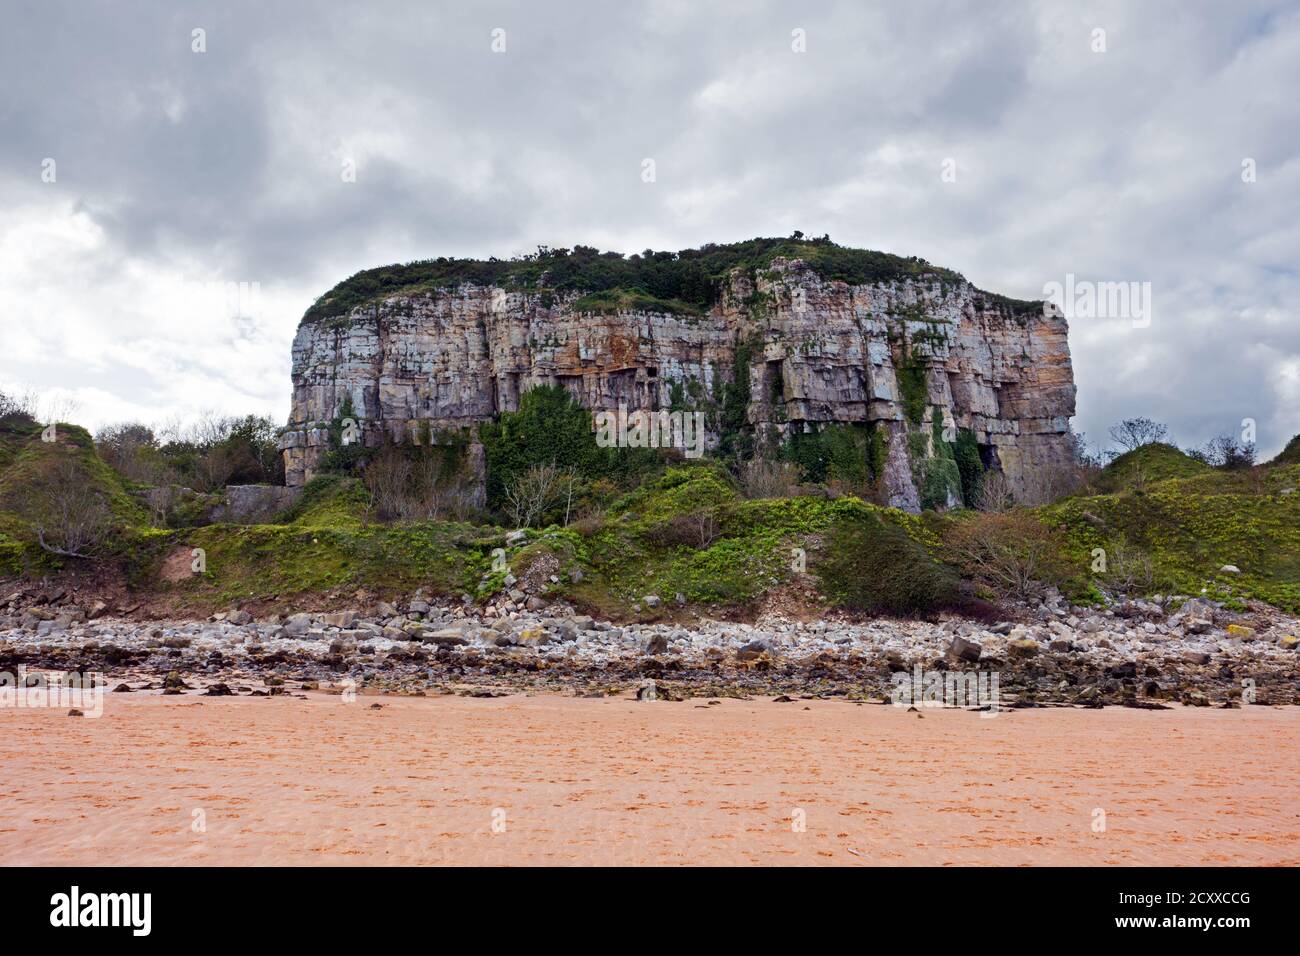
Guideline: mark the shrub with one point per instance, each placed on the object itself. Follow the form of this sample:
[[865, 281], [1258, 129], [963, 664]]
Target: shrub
[[67, 509], [698, 529], [1129, 569], [994, 493], [762, 478], [1012, 553], [875, 566]]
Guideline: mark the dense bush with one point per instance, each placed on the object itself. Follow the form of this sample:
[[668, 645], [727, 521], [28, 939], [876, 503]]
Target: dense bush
[[550, 428], [209, 454], [689, 279], [851, 457], [1012, 553], [874, 566]]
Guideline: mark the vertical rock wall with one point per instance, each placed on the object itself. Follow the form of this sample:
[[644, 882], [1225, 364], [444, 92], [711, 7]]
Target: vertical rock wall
[[818, 352]]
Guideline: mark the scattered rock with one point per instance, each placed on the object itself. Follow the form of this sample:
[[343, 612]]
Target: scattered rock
[[963, 650], [1023, 647], [657, 644]]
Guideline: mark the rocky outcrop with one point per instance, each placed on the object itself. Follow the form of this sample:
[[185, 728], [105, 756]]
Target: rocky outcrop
[[911, 358], [245, 504]]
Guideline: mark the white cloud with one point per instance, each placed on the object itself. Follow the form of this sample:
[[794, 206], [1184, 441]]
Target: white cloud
[[178, 169]]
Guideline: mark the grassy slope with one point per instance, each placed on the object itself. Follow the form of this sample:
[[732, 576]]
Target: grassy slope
[[685, 532], [324, 544], [24, 458], [1193, 521]]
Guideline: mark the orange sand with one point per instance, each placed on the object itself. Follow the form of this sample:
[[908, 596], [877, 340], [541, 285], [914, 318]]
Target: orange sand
[[286, 781]]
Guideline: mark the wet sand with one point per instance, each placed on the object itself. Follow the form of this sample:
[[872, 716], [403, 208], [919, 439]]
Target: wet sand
[[192, 780]]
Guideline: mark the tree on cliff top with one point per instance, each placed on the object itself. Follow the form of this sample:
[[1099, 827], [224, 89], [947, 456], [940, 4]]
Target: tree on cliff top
[[1133, 433]]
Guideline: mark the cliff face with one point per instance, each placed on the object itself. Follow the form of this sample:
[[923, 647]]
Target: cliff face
[[904, 355]]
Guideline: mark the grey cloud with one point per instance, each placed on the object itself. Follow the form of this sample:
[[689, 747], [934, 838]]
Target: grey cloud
[[1123, 165]]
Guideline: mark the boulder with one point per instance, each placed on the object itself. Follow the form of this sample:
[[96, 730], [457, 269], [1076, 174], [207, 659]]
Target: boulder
[[963, 650], [656, 644], [339, 619], [448, 637]]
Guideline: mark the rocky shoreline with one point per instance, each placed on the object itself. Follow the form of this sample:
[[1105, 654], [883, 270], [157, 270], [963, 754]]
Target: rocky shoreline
[[1139, 653]]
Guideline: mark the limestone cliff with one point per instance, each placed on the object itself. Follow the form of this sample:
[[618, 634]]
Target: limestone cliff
[[912, 354]]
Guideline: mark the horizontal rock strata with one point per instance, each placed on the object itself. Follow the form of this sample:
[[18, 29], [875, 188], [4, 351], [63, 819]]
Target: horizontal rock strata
[[815, 351]]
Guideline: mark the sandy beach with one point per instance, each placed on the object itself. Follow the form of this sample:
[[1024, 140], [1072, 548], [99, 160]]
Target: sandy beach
[[516, 780]]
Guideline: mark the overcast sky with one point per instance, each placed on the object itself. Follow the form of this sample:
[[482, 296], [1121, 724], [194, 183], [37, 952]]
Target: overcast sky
[[177, 171]]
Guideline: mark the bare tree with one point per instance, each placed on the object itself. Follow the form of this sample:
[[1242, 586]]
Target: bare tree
[[1133, 433], [1050, 481], [1228, 453], [14, 404], [995, 493], [537, 491], [1129, 570], [764, 478], [386, 477], [1013, 552], [131, 448], [160, 500], [68, 513]]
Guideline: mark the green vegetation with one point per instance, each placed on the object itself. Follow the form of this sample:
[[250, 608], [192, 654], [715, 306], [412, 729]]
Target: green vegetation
[[732, 398], [1153, 462], [875, 566], [57, 494], [970, 466], [1290, 455], [623, 300], [938, 478], [847, 456], [638, 524], [1189, 527], [686, 282], [551, 427], [911, 375]]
